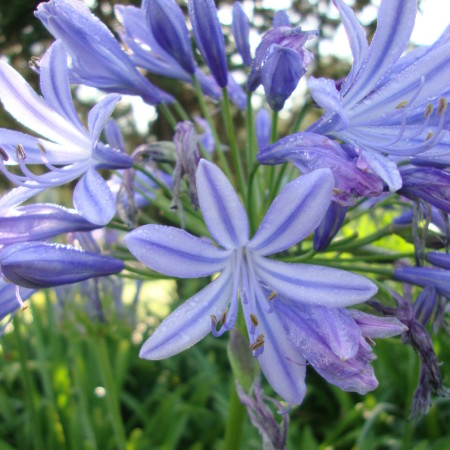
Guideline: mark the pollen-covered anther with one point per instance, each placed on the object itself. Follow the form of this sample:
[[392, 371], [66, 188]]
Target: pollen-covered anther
[[254, 320], [428, 110], [272, 295], [442, 106], [223, 317], [213, 320], [259, 342], [370, 341], [429, 136], [20, 151], [3, 154], [402, 104], [336, 191]]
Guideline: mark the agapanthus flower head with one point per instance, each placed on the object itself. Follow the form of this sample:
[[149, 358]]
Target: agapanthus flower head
[[38, 265], [97, 58], [209, 38], [274, 294], [310, 151], [389, 104], [68, 151]]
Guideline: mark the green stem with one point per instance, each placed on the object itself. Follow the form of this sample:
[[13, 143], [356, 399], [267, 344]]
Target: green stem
[[351, 267], [146, 273], [112, 398], [274, 131], [232, 139], [235, 421], [180, 110], [29, 388], [250, 200], [207, 116], [251, 136], [168, 114]]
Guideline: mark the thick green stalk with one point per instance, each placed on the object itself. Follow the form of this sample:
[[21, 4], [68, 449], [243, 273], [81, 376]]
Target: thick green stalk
[[235, 421], [168, 114], [207, 116], [232, 139]]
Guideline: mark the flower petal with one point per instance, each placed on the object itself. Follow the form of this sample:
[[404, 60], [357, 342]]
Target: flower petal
[[93, 199], [316, 285], [395, 23], [222, 210], [190, 322], [295, 213], [385, 168], [100, 114], [175, 252], [377, 327]]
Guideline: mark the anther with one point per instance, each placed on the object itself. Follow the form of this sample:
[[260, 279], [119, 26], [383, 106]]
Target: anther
[[336, 191], [214, 319], [272, 295], [442, 106], [254, 320], [429, 136], [402, 104], [428, 110], [259, 342], [3, 154], [41, 147], [35, 63], [223, 318], [20, 151], [370, 341], [23, 307]]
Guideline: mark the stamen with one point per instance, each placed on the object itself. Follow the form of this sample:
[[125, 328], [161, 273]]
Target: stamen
[[35, 63], [23, 307], [442, 106], [20, 152], [429, 136], [213, 320], [3, 154], [402, 104], [259, 342], [336, 191], [223, 318], [272, 295], [254, 320], [428, 110], [41, 147], [370, 341]]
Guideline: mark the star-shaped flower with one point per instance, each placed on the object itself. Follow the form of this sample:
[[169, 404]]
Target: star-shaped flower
[[276, 297]]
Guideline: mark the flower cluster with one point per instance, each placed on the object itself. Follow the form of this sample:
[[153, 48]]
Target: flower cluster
[[383, 134]]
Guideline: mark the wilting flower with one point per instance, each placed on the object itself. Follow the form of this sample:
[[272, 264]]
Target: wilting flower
[[39, 265], [415, 316], [75, 150], [309, 151], [209, 38], [274, 295], [97, 58], [389, 104]]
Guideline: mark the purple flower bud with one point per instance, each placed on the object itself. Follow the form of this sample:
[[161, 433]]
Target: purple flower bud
[[40, 221], [329, 226], [39, 265], [293, 38], [429, 184], [377, 327], [424, 304], [263, 128], [209, 38], [241, 31], [281, 19], [280, 74], [310, 151], [425, 276], [168, 26], [439, 259]]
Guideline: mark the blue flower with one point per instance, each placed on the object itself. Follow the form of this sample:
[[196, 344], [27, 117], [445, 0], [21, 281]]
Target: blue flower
[[69, 150], [390, 105], [276, 296], [241, 31], [97, 58]]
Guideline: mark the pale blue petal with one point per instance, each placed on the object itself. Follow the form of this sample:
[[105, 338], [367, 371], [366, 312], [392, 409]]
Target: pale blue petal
[[30, 109], [295, 213], [93, 199], [222, 210], [385, 168], [357, 38], [377, 327], [190, 322], [282, 364], [395, 23], [325, 94], [175, 252], [100, 114], [315, 285], [54, 82]]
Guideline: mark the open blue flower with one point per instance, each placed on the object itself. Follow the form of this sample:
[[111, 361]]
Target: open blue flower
[[277, 297], [69, 150], [391, 105]]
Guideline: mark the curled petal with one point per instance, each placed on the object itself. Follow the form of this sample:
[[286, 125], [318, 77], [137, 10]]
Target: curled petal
[[190, 322], [175, 252]]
